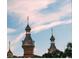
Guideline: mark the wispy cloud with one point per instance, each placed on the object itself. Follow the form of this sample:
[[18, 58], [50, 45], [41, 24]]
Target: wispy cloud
[[11, 30], [29, 5], [23, 8], [17, 39], [30, 8], [51, 25], [40, 28]]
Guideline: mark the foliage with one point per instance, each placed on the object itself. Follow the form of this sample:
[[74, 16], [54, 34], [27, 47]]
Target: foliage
[[59, 54]]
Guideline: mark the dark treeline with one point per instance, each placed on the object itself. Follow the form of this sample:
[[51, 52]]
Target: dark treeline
[[59, 54]]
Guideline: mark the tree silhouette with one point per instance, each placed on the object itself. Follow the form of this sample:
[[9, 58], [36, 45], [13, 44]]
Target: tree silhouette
[[55, 54], [59, 54], [47, 55], [68, 51]]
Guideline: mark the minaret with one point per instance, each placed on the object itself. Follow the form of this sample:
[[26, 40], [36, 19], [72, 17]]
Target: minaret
[[9, 53], [52, 47], [28, 43]]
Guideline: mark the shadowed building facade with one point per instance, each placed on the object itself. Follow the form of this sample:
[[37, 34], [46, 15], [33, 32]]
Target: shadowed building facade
[[9, 53], [52, 48], [28, 43], [28, 47], [53, 52]]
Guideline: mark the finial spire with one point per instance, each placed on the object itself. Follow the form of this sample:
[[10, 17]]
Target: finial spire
[[9, 45], [27, 20], [52, 37], [51, 30]]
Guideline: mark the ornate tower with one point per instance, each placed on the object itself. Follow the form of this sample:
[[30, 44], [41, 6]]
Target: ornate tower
[[52, 47], [9, 53], [28, 43]]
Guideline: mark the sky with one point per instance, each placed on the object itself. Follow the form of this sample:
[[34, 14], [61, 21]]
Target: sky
[[44, 15]]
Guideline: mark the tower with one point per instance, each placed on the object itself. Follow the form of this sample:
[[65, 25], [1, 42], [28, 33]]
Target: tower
[[52, 47], [9, 53], [28, 43]]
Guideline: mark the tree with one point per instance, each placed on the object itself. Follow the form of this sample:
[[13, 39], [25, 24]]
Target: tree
[[55, 54], [68, 51], [59, 54], [47, 55]]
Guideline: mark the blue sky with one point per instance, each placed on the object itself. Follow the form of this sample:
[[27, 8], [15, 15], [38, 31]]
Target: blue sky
[[43, 15]]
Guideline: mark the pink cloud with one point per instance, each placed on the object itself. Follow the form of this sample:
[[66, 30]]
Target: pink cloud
[[53, 24], [30, 8], [26, 8]]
